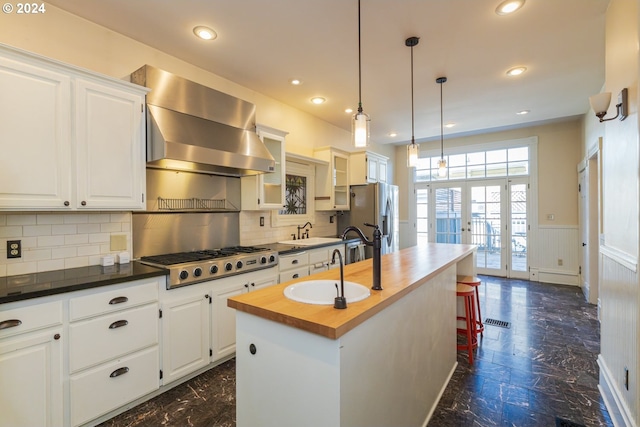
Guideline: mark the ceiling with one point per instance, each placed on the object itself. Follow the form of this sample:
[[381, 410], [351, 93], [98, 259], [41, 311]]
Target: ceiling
[[263, 44]]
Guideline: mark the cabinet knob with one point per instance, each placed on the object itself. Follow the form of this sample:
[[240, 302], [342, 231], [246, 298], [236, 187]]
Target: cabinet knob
[[66, 203], [56, 337], [83, 203]]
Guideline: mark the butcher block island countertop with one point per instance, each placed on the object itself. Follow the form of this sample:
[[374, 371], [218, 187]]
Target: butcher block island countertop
[[384, 361], [402, 272]]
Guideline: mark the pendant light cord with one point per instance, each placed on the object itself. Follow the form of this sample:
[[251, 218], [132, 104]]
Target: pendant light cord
[[359, 64], [413, 140], [441, 125]]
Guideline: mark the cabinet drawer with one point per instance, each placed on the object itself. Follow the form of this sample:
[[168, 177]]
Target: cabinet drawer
[[288, 262], [319, 255], [107, 387], [102, 338], [140, 292], [294, 274], [30, 318], [318, 267]]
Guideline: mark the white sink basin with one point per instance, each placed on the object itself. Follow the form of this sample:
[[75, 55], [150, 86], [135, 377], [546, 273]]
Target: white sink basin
[[324, 291], [311, 241]]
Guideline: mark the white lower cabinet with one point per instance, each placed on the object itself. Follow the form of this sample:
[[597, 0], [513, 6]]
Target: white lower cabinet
[[113, 348], [108, 386], [223, 328], [31, 378], [311, 261], [197, 326], [185, 331]]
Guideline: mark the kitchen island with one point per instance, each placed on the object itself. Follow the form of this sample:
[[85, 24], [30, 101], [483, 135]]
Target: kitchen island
[[382, 361]]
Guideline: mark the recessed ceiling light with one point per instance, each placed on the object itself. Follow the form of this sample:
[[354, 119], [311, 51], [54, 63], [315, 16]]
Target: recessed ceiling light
[[205, 33], [449, 125], [523, 112], [295, 82], [348, 110], [509, 6], [318, 100], [393, 134], [516, 71]]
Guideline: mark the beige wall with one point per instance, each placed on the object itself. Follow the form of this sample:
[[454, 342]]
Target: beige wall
[[559, 151], [618, 254]]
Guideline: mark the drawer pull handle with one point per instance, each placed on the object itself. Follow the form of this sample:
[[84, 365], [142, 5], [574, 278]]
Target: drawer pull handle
[[11, 323], [119, 371], [118, 300], [118, 324], [295, 276], [295, 261]]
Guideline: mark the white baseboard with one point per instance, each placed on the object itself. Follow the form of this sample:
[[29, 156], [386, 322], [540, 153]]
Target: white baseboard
[[558, 277], [618, 409]]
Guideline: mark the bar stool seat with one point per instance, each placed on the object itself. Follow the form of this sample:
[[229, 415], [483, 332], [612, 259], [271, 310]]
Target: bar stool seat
[[467, 293], [475, 282]]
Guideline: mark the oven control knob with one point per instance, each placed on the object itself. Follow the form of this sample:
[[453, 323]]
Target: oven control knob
[[228, 266], [263, 260], [213, 269], [272, 258], [197, 272], [184, 274], [239, 264]]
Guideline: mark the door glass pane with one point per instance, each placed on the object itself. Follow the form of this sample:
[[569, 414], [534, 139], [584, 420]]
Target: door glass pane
[[518, 202], [518, 168], [448, 208], [485, 225], [422, 223]]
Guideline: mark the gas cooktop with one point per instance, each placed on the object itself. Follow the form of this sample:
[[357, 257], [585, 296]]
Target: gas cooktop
[[186, 268]]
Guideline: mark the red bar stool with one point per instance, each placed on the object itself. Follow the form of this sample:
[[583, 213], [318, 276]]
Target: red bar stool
[[466, 292], [475, 282]]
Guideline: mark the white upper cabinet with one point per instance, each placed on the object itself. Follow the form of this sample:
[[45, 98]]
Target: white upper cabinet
[[267, 191], [367, 167], [62, 151], [332, 180]]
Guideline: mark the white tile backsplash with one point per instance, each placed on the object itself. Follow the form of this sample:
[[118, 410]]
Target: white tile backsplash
[[252, 234], [54, 241]]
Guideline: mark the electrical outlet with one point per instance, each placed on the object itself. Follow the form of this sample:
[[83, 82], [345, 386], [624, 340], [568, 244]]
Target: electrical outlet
[[14, 248], [560, 262], [261, 221]]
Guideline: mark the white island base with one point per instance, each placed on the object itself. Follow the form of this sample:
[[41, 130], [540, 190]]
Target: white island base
[[389, 370]]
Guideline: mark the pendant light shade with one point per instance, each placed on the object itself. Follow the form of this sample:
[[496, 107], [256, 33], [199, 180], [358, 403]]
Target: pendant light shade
[[360, 122], [442, 163], [413, 149]]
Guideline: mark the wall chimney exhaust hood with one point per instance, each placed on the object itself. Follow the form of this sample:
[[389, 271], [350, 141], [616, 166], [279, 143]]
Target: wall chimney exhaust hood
[[194, 128]]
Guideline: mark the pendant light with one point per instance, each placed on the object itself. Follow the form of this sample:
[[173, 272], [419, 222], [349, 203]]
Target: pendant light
[[360, 122], [413, 148], [442, 163]]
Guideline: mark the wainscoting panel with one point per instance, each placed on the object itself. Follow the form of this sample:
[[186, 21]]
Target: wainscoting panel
[[619, 335], [559, 254]]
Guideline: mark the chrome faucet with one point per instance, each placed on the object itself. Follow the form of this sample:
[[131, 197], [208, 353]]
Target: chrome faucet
[[377, 248], [340, 301], [300, 227]]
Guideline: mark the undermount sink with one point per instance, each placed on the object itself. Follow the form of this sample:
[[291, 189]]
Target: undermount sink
[[311, 241], [324, 291]]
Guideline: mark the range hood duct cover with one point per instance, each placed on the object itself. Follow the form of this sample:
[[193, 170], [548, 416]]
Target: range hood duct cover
[[195, 128]]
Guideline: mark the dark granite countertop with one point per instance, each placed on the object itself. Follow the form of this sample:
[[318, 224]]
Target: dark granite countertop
[[35, 285], [284, 249]]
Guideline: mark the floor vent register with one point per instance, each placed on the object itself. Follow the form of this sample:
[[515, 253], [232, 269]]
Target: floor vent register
[[498, 323]]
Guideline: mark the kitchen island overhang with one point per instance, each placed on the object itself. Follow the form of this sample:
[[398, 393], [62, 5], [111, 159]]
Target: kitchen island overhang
[[383, 361]]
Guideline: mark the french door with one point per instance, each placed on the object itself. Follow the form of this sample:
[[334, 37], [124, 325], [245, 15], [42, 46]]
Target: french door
[[491, 214]]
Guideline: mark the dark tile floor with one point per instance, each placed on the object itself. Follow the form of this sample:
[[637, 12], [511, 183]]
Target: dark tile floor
[[542, 367]]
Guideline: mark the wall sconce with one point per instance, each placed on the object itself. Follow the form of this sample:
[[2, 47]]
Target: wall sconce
[[600, 104]]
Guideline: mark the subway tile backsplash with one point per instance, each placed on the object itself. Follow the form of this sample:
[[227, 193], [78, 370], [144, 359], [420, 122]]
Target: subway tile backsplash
[[252, 234], [54, 241]]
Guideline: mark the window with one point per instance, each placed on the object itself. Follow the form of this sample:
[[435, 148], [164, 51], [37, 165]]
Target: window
[[299, 204], [481, 164]]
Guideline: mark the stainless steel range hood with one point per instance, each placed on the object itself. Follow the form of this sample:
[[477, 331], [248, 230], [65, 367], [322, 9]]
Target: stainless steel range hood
[[195, 128]]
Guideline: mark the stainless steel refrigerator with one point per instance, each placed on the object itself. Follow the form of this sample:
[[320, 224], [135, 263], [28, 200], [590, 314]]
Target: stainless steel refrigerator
[[373, 204]]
